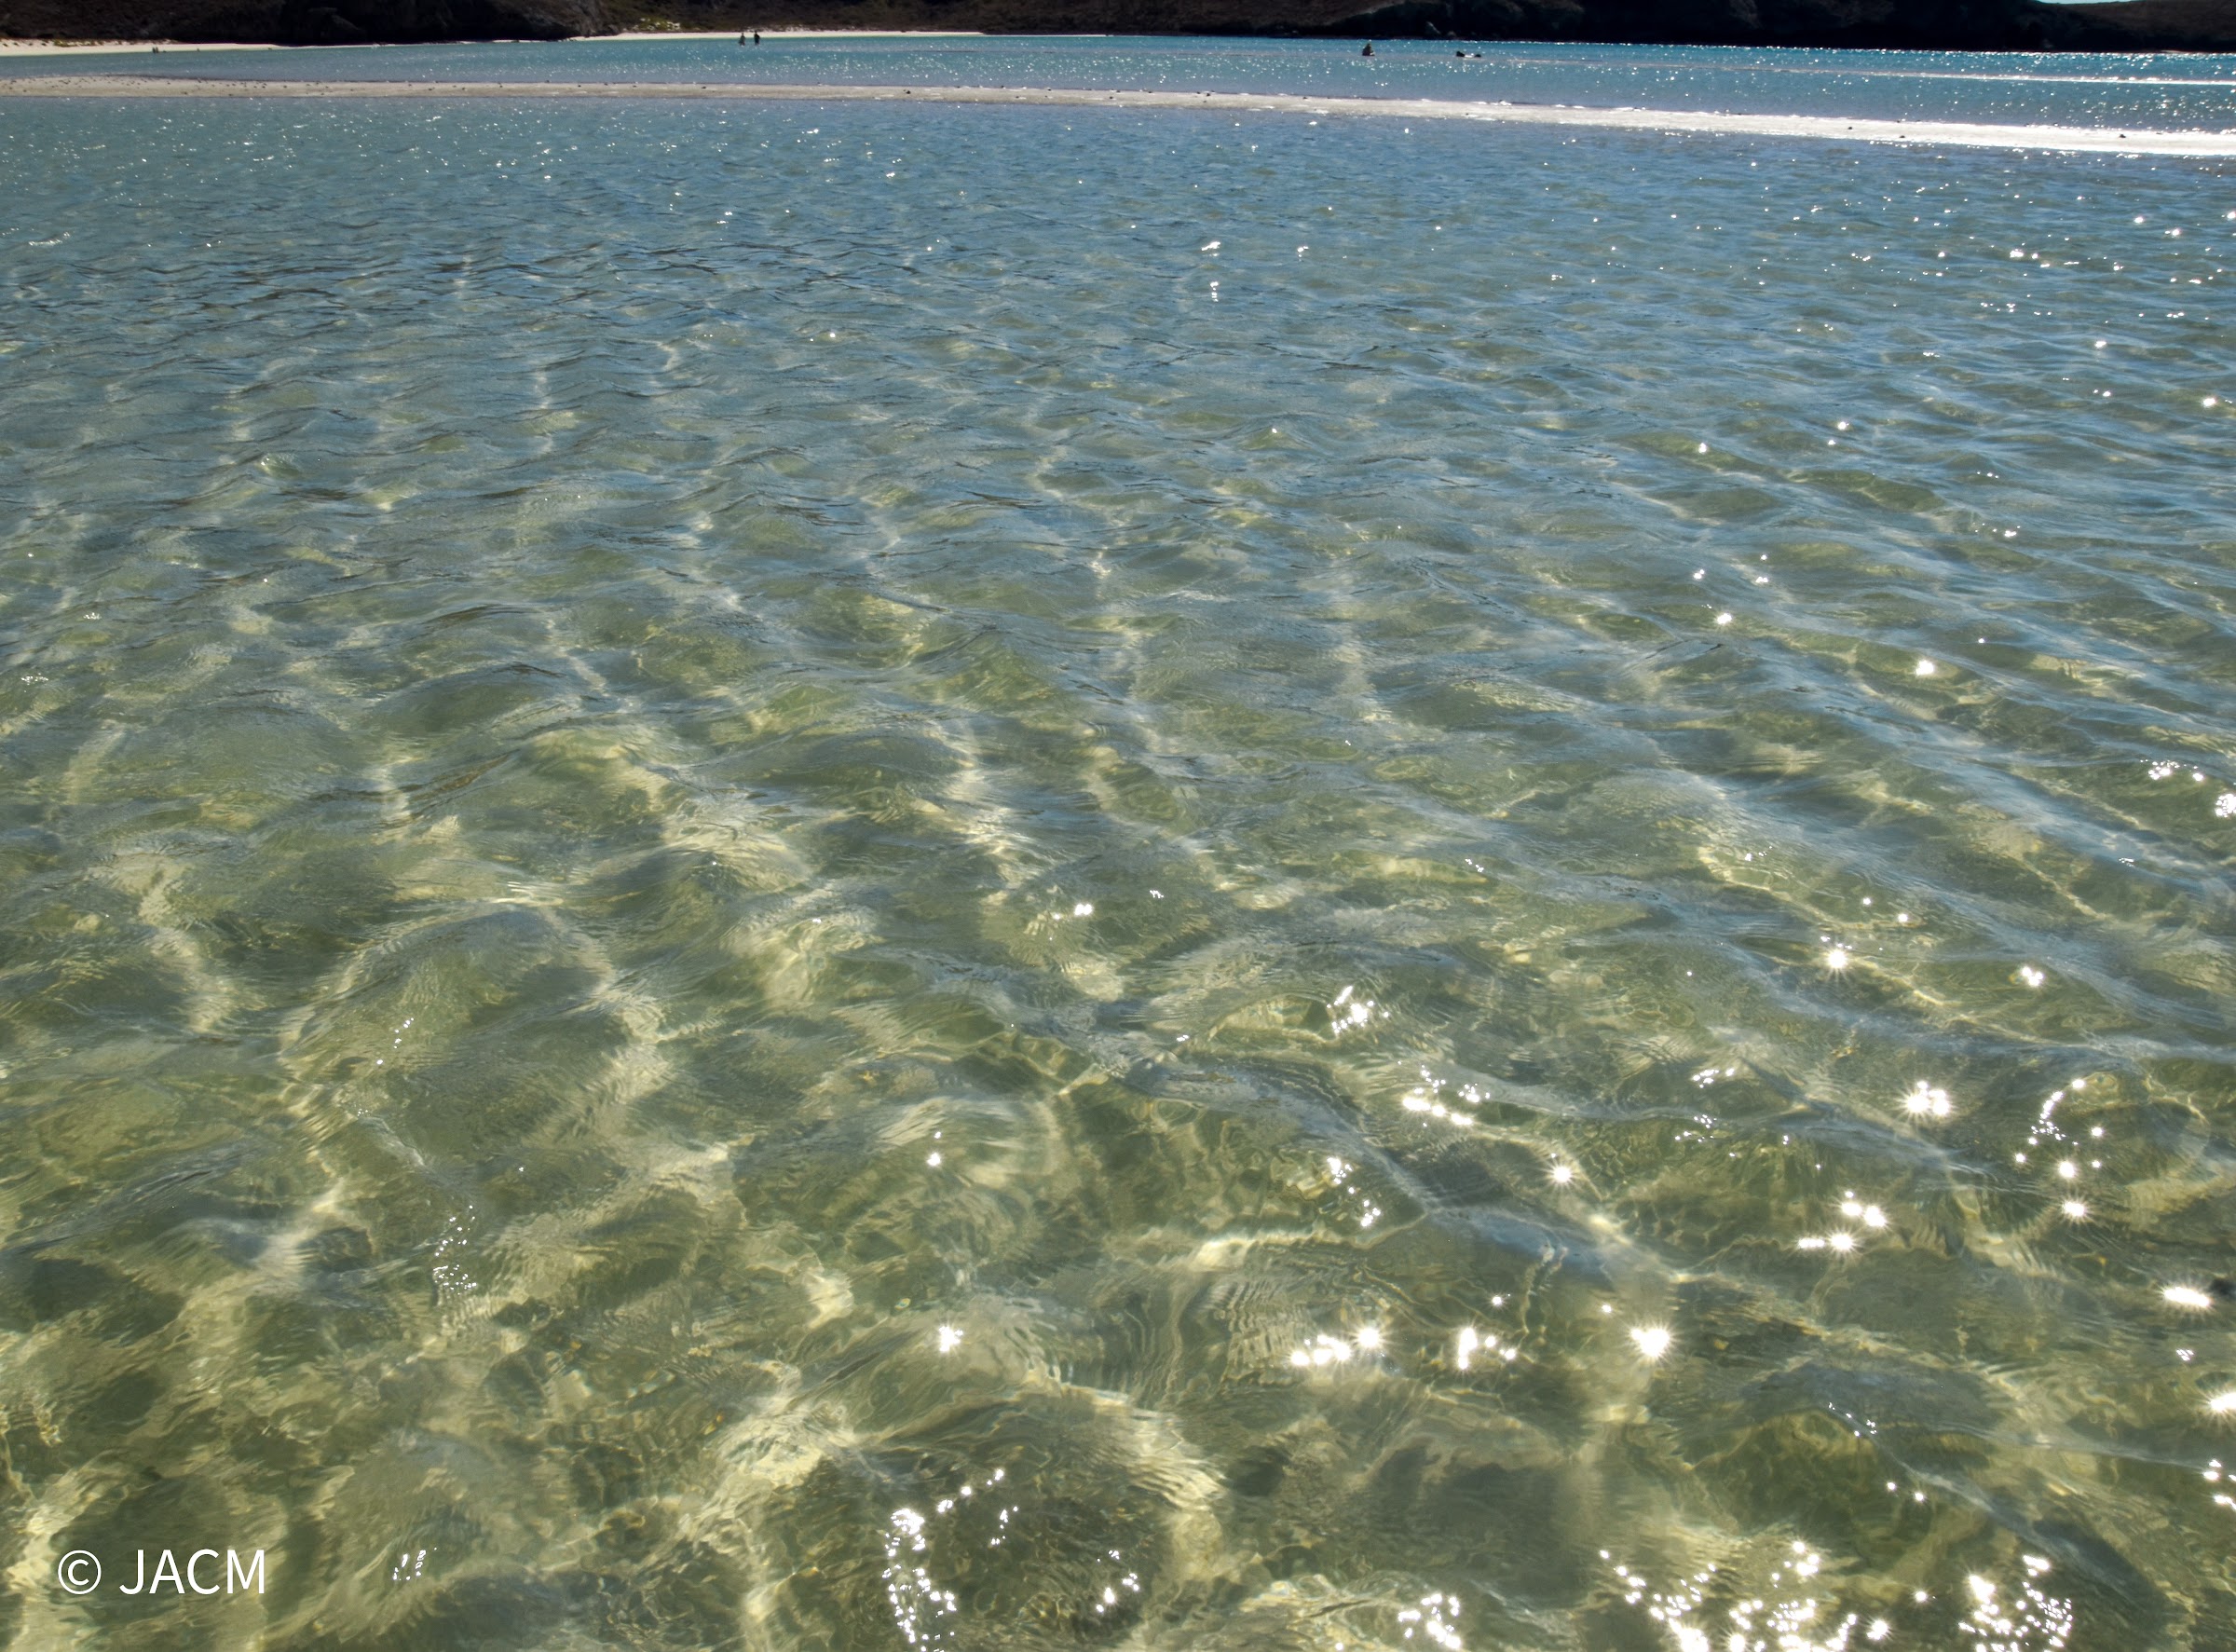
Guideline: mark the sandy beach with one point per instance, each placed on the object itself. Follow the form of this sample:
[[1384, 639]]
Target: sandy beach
[[55, 49], [23, 49], [1939, 134], [32, 48], [810, 34]]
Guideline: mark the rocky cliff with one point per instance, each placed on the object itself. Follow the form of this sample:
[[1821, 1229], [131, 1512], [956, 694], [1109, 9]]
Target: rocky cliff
[[2119, 25]]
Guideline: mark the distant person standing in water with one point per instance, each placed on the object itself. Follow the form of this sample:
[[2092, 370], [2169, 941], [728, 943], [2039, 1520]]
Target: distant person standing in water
[[1369, 51], [757, 37]]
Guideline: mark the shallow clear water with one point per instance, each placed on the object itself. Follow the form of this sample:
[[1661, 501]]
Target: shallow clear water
[[837, 878], [2178, 91]]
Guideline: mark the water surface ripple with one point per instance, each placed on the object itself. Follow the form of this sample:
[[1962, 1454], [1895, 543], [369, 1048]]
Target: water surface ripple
[[783, 877], [2187, 91]]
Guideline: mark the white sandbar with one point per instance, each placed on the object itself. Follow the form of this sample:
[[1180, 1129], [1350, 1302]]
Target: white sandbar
[[1930, 133]]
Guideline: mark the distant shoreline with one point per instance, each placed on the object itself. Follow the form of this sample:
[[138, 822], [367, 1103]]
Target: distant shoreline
[[804, 35], [32, 47], [1672, 122], [78, 48]]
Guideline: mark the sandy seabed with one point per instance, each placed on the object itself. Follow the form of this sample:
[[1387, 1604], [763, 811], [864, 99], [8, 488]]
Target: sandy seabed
[[1932, 133]]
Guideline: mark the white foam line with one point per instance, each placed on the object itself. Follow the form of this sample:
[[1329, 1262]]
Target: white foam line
[[1928, 133]]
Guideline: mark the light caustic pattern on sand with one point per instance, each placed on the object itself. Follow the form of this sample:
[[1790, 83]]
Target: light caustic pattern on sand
[[757, 893]]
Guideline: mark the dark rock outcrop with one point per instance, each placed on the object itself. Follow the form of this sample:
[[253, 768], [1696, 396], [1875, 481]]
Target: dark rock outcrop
[[1962, 26], [2168, 25]]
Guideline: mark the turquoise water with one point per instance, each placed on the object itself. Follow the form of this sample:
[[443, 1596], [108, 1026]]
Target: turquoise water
[[859, 877], [2179, 91]]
